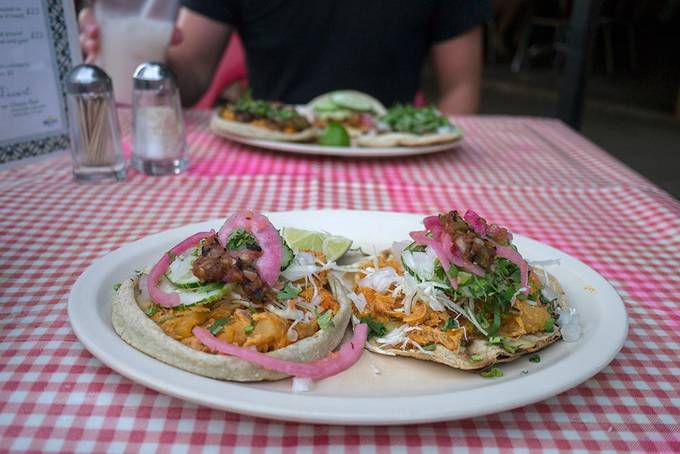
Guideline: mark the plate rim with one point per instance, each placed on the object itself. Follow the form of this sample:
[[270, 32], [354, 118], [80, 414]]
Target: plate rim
[[302, 148], [304, 410]]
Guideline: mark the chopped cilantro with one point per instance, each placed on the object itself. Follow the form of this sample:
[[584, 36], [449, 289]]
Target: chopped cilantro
[[549, 325], [172, 256], [430, 347], [375, 328], [325, 320], [463, 278], [535, 359], [491, 373], [476, 357], [439, 273], [263, 109], [152, 310], [239, 239], [288, 292], [492, 292], [216, 327], [116, 286], [451, 323], [249, 329], [508, 346], [495, 340], [416, 120]]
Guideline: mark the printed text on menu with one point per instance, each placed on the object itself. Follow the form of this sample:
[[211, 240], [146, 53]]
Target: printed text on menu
[[30, 97]]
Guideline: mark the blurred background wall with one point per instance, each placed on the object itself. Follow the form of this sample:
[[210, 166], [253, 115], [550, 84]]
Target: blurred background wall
[[632, 100]]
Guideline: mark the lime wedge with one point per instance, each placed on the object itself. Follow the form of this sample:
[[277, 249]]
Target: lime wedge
[[335, 135], [333, 247]]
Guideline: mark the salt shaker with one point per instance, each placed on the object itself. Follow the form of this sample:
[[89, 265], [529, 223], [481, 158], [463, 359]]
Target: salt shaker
[[93, 124], [159, 144]]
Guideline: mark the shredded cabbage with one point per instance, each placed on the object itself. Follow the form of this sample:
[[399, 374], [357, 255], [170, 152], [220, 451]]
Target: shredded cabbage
[[420, 263], [359, 300], [303, 265], [380, 279]]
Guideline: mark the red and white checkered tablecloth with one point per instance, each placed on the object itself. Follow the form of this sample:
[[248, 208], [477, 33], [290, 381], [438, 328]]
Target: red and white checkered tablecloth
[[535, 176]]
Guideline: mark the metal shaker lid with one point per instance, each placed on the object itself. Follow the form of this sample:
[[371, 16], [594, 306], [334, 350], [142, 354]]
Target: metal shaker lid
[[88, 79], [152, 76]]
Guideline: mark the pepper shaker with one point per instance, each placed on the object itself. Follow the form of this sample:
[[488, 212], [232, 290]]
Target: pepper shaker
[[159, 140], [93, 125]]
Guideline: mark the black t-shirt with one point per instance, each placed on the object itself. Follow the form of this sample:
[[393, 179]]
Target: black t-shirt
[[298, 49]]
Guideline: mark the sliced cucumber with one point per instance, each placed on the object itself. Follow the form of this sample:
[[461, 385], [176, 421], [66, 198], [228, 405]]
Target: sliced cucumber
[[352, 101], [287, 257], [198, 295], [325, 105], [180, 272]]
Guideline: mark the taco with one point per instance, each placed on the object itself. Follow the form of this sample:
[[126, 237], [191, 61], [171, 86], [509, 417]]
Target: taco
[[262, 120], [354, 110], [459, 294], [405, 125], [243, 292]]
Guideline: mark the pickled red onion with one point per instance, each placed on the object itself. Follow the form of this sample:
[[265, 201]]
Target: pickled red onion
[[478, 224], [443, 254], [157, 295], [459, 261], [512, 255], [433, 224], [332, 364], [268, 264]]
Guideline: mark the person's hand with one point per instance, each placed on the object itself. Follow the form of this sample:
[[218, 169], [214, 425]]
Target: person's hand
[[90, 35]]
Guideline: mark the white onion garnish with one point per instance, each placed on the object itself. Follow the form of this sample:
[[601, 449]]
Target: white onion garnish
[[396, 336], [287, 313], [144, 299], [570, 324], [513, 300], [359, 300], [302, 385], [564, 315], [571, 332], [398, 247], [292, 333]]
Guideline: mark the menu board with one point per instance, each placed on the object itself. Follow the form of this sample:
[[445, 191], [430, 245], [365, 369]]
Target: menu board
[[38, 46]]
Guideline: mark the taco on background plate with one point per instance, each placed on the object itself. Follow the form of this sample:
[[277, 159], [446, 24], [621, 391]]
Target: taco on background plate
[[263, 120], [408, 126], [458, 294], [272, 309], [354, 110]]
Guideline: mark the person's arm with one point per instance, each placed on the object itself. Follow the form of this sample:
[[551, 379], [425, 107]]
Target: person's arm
[[457, 64], [194, 59]]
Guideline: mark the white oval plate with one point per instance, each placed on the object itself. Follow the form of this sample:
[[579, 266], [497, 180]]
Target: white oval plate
[[405, 390], [348, 152]]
